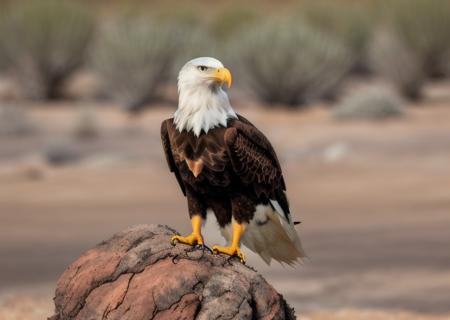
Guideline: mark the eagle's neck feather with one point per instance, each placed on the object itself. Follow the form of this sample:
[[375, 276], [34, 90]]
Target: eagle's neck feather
[[201, 109]]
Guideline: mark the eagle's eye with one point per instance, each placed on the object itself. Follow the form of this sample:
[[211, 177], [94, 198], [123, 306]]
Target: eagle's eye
[[202, 68]]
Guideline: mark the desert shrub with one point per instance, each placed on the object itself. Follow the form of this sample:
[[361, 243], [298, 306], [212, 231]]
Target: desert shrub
[[351, 24], [447, 64], [44, 42], [134, 57], [289, 62], [3, 31], [3, 58], [393, 60], [424, 26], [231, 21], [372, 103], [185, 15]]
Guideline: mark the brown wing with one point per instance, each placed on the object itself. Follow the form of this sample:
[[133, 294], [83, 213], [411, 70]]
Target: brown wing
[[169, 156], [255, 162]]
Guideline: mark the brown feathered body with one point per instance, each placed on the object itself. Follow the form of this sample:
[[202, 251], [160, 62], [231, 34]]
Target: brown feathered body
[[234, 172]]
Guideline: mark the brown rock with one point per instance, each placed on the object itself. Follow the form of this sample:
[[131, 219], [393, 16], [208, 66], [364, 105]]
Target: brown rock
[[138, 274]]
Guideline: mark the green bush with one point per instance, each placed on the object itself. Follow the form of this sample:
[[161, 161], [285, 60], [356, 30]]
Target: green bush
[[351, 24], [3, 57], [447, 65], [231, 21], [371, 103], [289, 62], [424, 26], [135, 56], [393, 60], [44, 42]]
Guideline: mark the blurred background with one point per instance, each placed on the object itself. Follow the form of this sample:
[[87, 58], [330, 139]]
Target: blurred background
[[354, 95]]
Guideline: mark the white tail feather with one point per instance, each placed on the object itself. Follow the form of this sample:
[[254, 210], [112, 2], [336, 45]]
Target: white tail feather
[[271, 235], [289, 227]]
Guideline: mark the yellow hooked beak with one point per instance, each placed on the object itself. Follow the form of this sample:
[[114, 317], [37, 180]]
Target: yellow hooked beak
[[223, 75]]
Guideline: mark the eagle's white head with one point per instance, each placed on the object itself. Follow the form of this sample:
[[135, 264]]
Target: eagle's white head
[[203, 104]]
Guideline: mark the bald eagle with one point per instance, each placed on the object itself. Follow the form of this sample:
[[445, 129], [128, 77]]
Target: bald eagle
[[223, 163]]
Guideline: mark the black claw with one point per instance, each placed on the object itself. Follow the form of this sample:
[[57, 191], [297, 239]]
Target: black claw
[[175, 259], [208, 248], [203, 247], [229, 260], [233, 257]]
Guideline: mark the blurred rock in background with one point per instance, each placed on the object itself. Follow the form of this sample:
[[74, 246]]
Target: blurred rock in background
[[14, 120]]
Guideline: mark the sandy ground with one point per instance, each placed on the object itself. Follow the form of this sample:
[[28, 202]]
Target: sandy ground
[[373, 198]]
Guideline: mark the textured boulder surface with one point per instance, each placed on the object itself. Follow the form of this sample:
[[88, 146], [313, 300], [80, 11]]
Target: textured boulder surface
[[138, 274]]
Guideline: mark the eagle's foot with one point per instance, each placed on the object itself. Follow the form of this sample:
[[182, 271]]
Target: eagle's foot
[[232, 251], [193, 239]]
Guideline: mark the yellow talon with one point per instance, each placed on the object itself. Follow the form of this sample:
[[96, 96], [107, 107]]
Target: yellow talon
[[234, 249], [231, 251], [195, 238], [192, 239]]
